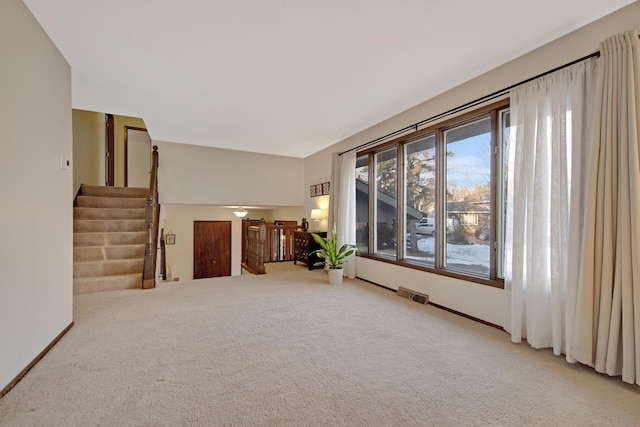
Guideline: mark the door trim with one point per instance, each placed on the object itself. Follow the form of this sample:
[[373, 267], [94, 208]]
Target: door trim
[[109, 151], [126, 150]]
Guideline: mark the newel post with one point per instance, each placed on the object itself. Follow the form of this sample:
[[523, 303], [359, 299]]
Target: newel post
[[152, 219]]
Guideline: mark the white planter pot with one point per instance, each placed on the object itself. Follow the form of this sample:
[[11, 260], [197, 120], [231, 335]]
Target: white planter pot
[[335, 276]]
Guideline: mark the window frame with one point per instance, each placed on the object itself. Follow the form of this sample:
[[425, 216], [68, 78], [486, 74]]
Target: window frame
[[373, 201], [494, 111]]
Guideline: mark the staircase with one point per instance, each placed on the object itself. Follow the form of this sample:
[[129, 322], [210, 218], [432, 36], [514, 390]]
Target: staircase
[[109, 236]]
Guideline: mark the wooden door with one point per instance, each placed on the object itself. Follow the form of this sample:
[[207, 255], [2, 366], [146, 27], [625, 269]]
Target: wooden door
[[211, 249]]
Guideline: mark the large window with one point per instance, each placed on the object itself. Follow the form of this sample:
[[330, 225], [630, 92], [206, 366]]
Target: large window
[[384, 233], [436, 197], [420, 199], [467, 197]]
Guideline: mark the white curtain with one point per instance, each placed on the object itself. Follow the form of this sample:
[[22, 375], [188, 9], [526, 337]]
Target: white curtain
[[606, 319], [343, 204], [334, 192], [544, 151]]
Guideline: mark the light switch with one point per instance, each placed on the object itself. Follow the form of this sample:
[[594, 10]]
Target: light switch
[[63, 163]]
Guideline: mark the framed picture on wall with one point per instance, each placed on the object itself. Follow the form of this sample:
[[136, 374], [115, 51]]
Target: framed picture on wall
[[325, 189], [170, 239], [312, 191], [318, 189]]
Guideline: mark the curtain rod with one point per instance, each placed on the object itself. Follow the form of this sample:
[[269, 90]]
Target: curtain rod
[[473, 103]]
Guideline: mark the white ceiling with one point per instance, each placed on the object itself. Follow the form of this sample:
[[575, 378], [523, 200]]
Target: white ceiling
[[288, 77]]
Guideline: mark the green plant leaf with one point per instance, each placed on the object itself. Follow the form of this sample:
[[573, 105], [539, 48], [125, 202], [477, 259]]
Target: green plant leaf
[[333, 257]]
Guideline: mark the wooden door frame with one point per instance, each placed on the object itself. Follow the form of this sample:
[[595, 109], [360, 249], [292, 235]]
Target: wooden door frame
[[109, 151], [126, 150]]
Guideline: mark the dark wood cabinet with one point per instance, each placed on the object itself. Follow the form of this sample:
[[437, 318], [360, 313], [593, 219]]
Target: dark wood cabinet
[[303, 245]]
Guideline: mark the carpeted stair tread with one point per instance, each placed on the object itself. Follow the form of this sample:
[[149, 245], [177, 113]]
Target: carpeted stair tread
[[82, 285], [112, 267], [134, 192], [97, 225], [102, 252], [110, 238], [110, 202], [108, 213]]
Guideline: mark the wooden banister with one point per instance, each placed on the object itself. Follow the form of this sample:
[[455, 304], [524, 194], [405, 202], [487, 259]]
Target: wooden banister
[[152, 219], [267, 242], [256, 233], [279, 242]]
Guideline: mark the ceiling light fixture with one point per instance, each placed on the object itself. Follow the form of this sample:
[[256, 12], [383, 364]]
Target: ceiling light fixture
[[240, 212]]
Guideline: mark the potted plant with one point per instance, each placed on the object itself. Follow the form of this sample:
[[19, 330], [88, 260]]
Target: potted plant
[[332, 258]]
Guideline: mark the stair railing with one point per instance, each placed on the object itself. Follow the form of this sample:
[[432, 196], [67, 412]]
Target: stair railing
[[279, 242], [152, 220], [255, 234]]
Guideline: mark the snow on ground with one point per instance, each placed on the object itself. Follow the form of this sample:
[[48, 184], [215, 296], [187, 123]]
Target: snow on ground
[[473, 254]]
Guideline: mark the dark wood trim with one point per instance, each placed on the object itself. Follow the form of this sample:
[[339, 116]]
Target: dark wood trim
[[152, 222], [126, 150], [33, 363], [497, 283], [490, 111], [442, 307], [401, 218], [450, 122], [493, 195], [250, 269], [472, 116], [386, 288], [440, 199], [459, 313], [109, 148], [372, 202]]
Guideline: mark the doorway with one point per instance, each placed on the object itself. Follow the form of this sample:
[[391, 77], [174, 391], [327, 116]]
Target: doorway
[[137, 157], [109, 151], [211, 249]]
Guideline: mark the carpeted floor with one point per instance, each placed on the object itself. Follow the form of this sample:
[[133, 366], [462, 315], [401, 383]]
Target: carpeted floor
[[287, 349]]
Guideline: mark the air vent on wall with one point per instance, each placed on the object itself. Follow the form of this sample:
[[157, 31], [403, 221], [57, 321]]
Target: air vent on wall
[[413, 295]]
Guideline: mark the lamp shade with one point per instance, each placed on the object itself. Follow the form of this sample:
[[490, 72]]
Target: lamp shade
[[316, 213]]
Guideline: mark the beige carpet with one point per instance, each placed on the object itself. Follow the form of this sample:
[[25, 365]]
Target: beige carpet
[[287, 349]]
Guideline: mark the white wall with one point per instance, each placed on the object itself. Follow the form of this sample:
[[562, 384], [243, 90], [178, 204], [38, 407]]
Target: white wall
[[295, 213], [477, 300], [213, 176], [36, 281], [199, 183], [483, 302], [178, 219]]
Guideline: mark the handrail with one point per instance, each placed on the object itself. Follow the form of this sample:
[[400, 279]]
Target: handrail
[[272, 242], [279, 241], [254, 256], [152, 219]]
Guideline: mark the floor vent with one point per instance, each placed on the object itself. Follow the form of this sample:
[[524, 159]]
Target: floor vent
[[413, 295]]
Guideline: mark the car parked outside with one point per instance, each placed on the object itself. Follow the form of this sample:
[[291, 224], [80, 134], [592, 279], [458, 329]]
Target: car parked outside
[[426, 226]]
